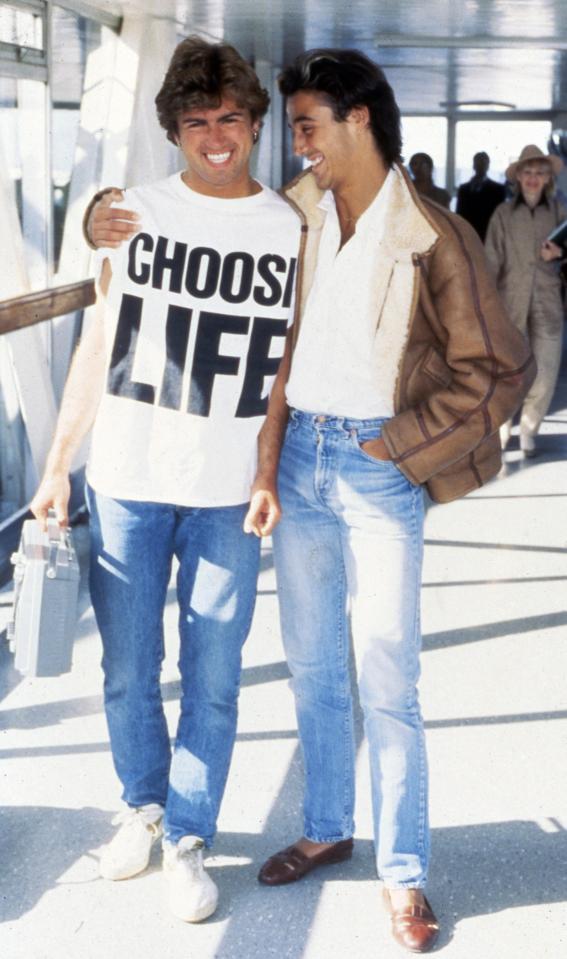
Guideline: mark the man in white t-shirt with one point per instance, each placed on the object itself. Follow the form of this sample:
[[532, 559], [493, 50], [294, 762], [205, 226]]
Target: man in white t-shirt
[[175, 374]]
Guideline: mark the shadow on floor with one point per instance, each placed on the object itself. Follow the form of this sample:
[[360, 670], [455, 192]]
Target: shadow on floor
[[477, 870], [39, 844]]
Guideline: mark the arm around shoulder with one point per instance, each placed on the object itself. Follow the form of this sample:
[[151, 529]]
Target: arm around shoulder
[[105, 225]]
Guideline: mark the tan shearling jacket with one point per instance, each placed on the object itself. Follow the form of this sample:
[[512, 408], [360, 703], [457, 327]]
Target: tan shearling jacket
[[453, 363]]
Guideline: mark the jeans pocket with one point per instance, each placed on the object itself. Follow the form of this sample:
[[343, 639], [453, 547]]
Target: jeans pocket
[[364, 436], [292, 424]]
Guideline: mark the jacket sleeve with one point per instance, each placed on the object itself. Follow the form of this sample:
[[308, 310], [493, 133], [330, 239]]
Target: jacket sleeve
[[487, 363], [494, 243]]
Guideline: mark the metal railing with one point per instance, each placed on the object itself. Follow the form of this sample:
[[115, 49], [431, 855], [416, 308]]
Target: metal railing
[[22, 311]]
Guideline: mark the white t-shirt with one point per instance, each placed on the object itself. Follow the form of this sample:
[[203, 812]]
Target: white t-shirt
[[198, 309], [334, 363]]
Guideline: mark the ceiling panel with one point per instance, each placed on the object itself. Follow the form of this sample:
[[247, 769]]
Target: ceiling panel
[[431, 52]]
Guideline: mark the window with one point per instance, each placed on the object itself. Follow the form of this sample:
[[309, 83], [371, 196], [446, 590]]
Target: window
[[501, 139], [45, 147], [22, 26], [74, 39], [427, 135]]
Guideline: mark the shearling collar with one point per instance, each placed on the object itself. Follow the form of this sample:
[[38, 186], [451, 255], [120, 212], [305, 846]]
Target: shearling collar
[[409, 229]]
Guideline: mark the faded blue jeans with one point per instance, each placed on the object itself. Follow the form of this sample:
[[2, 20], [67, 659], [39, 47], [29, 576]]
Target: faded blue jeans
[[132, 547], [350, 545]]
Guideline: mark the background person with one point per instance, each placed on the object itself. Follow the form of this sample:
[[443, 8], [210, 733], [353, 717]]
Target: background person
[[421, 169], [525, 267], [478, 198]]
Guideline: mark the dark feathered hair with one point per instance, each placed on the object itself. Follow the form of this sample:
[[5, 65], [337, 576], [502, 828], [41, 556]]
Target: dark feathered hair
[[348, 79]]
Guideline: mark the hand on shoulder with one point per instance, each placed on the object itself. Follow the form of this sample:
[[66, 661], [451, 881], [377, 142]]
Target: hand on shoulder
[[110, 226]]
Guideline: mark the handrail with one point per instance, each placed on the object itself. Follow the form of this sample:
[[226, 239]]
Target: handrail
[[22, 311]]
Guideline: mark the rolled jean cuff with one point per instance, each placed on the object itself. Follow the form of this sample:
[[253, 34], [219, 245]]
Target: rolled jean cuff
[[330, 839], [410, 884]]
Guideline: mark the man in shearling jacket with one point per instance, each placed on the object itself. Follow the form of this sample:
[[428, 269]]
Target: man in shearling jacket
[[404, 365], [400, 368]]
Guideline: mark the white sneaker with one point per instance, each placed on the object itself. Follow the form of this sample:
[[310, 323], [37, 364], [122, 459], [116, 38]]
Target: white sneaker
[[191, 893], [128, 853]]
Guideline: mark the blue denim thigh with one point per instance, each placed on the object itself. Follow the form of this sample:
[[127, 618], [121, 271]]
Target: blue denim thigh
[[131, 552], [377, 547], [312, 597], [382, 529], [216, 591], [132, 546]]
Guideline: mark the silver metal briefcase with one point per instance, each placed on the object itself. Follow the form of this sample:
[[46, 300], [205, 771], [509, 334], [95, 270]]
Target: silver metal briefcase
[[46, 586]]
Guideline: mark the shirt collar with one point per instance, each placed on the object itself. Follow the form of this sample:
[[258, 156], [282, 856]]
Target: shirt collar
[[380, 201], [544, 200]]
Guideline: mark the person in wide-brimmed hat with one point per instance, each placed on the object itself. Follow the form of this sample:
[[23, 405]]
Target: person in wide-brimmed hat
[[529, 154], [524, 263]]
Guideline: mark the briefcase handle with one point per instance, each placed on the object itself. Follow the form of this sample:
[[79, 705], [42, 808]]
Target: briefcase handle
[[59, 538]]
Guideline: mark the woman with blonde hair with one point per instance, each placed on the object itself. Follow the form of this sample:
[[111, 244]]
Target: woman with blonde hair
[[525, 266]]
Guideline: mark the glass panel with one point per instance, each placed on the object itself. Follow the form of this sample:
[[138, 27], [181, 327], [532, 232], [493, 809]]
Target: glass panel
[[23, 28], [501, 139], [15, 459], [40, 172], [9, 135], [427, 135], [22, 142], [74, 39]]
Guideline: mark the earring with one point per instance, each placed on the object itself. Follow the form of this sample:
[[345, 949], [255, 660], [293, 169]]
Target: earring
[[255, 136]]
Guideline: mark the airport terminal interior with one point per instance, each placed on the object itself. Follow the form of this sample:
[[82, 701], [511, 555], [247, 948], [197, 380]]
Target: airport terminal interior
[[77, 85]]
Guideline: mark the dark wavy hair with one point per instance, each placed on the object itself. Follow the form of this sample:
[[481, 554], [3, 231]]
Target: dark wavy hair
[[347, 79], [199, 75]]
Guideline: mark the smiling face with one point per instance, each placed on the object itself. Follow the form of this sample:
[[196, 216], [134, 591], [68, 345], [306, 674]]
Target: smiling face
[[217, 145], [532, 179], [330, 145]]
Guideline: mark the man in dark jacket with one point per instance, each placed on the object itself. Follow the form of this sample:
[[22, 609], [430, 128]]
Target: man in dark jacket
[[478, 199]]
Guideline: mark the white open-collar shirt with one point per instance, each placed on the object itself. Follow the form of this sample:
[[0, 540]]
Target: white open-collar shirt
[[333, 370]]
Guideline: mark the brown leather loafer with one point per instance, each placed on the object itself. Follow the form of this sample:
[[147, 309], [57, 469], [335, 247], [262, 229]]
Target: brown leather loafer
[[291, 864], [413, 927]]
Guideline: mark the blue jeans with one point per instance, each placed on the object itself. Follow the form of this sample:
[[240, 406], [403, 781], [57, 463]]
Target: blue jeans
[[132, 547], [350, 543]]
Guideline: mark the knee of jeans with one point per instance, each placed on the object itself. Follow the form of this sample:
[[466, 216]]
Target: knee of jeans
[[121, 689], [392, 693], [209, 689], [329, 692]]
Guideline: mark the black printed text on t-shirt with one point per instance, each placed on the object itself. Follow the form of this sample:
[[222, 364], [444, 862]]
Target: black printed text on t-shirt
[[201, 272]]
